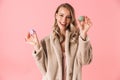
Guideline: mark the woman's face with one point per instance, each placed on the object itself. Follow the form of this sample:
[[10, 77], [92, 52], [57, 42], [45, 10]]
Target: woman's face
[[63, 18]]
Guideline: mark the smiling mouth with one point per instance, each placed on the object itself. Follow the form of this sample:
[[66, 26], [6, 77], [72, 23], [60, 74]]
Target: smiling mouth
[[63, 24]]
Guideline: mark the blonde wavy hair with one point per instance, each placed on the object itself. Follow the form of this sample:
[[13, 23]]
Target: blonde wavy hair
[[71, 27]]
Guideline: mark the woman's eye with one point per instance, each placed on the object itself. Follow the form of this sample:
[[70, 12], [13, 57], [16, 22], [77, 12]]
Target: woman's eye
[[61, 15], [69, 17]]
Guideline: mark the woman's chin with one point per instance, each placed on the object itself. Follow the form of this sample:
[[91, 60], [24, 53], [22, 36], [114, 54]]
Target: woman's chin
[[62, 27]]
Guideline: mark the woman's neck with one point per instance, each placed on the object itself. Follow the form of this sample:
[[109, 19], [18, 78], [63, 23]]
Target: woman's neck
[[63, 32]]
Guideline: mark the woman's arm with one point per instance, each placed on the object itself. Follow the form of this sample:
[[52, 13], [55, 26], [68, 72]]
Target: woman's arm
[[40, 56], [39, 52], [85, 51]]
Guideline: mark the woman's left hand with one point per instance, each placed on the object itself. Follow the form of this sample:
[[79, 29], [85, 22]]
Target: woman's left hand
[[84, 26]]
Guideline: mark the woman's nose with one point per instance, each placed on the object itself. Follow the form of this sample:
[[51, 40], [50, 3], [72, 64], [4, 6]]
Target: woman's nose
[[64, 20]]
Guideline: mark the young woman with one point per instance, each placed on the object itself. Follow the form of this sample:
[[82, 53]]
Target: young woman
[[61, 55]]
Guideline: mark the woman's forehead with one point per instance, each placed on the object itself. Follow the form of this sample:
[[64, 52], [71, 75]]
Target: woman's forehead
[[64, 10]]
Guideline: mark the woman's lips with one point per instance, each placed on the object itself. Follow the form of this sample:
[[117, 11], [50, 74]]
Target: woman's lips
[[63, 24]]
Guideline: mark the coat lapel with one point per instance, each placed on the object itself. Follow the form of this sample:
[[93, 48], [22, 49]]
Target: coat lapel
[[70, 51], [57, 49], [70, 47]]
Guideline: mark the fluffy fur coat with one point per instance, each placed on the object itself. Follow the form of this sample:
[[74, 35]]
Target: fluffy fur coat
[[49, 57]]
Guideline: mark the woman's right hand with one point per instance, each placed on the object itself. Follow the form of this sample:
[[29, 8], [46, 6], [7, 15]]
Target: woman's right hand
[[32, 39]]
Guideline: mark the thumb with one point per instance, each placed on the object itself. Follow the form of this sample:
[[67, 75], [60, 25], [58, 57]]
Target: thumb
[[80, 24]]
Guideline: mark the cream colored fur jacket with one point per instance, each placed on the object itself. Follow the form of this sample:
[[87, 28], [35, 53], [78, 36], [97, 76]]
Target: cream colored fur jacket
[[49, 57]]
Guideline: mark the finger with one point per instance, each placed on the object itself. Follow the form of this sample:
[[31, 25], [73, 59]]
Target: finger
[[30, 40], [79, 24], [89, 22], [82, 22], [28, 35], [32, 43], [27, 39], [34, 34], [86, 19]]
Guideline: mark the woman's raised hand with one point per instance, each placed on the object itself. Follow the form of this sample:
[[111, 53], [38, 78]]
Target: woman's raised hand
[[32, 39], [84, 23]]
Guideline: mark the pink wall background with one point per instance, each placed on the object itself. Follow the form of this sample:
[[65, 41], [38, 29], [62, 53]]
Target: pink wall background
[[18, 16]]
